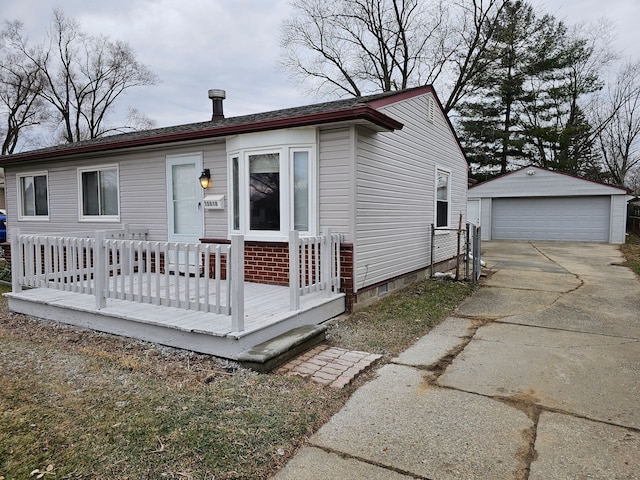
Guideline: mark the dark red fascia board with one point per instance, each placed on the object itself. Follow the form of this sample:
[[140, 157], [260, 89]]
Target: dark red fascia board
[[403, 95], [360, 112]]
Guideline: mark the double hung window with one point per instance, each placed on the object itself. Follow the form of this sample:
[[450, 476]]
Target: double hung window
[[442, 198], [33, 195], [99, 193]]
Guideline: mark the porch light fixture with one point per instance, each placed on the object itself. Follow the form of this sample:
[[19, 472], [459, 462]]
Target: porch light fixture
[[205, 178]]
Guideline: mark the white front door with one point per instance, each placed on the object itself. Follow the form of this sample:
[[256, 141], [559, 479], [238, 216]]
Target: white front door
[[184, 200]]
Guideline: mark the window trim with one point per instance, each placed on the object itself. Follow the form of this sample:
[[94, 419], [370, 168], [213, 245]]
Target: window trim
[[286, 155], [21, 215], [97, 218], [435, 197]]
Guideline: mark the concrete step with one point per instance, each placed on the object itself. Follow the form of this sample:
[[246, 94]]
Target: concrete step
[[268, 355]]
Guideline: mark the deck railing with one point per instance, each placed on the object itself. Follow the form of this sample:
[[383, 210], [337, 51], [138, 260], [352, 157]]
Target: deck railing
[[202, 277], [314, 265], [187, 276]]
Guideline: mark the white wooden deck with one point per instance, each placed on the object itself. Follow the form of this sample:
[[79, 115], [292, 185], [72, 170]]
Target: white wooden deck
[[267, 314]]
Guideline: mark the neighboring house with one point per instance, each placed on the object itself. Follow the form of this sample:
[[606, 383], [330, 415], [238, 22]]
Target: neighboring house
[[372, 169], [534, 203]]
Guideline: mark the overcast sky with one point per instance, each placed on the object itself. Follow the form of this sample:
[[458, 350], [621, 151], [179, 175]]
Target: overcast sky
[[195, 45]]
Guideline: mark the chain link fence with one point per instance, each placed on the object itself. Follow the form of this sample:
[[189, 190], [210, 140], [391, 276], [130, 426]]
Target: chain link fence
[[457, 250]]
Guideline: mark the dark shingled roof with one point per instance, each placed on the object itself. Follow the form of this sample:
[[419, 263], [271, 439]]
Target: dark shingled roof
[[350, 109]]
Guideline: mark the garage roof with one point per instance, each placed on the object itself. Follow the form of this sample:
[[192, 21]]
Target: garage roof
[[532, 181]]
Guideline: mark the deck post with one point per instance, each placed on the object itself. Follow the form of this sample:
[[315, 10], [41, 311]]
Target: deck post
[[16, 261], [99, 269], [325, 259], [294, 271], [237, 283]]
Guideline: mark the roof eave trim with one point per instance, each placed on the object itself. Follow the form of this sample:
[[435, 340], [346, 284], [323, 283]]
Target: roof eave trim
[[360, 112]]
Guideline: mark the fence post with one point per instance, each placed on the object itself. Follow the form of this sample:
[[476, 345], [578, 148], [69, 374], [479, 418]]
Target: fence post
[[294, 270], [16, 261], [467, 253], [325, 259], [99, 269], [433, 234], [477, 265], [237, 283]]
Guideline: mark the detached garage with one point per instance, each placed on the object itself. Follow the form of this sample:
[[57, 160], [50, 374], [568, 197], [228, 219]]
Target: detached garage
[[538, 204]]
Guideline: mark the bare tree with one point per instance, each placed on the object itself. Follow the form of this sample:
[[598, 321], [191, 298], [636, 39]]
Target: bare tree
[[474, 27], [619, 135], [355, 47], [84, 76], [633, 180], [20, 86]]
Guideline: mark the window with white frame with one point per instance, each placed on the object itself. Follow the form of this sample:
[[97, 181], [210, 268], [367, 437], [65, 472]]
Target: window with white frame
[[33, 193], [264, 192], [99, 193], [272, 192], [301, 190], [442, 198]]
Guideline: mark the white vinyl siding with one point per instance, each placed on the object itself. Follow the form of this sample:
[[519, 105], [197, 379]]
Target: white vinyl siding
[[395, 191], [335, 180], [143, 200], [216, 221]]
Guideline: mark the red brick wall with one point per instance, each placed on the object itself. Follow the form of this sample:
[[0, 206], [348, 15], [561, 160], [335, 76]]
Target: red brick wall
[[346, 273], [266, 262]]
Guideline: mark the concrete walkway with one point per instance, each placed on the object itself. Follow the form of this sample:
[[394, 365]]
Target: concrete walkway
[[536, 376]]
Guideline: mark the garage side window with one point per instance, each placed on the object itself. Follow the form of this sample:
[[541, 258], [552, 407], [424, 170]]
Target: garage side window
[[442, 199], [34, 196], [99, 193]]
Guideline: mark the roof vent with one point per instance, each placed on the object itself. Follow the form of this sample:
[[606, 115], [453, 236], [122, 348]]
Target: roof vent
[[217, 96]]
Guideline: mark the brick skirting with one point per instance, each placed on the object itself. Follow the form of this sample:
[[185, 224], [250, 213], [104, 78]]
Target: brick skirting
[[268, 262]]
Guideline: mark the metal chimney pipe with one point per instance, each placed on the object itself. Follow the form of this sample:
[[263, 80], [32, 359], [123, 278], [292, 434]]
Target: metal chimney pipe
[[217, 96]]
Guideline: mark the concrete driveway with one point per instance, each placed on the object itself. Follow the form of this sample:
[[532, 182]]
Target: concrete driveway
[[536, 376]]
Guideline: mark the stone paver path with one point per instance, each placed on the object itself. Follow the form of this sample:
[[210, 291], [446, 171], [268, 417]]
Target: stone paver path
[[327, 365]]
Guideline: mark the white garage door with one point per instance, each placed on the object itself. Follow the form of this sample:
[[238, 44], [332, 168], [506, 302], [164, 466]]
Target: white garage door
[[570, 219]]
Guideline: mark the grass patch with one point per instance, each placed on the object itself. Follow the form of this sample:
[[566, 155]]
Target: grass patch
[[76, 404], [393, 324], [631, 251]]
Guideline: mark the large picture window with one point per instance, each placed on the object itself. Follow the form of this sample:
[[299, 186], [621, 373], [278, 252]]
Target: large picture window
[[34, 196], [442, 199], [264, 192], [272, 192], [99, 195]]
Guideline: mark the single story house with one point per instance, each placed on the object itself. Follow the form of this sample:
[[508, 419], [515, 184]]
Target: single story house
[[534, 203], [376, 171]]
